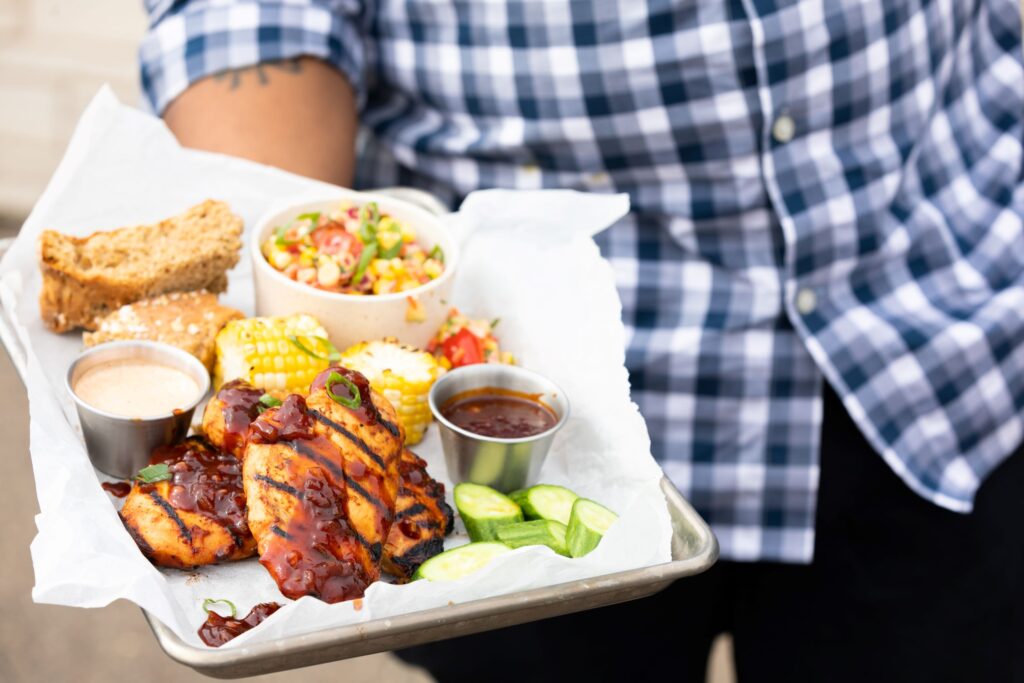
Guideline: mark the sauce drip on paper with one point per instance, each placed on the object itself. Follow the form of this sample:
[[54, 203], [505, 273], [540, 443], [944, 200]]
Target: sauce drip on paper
[[217, 630]]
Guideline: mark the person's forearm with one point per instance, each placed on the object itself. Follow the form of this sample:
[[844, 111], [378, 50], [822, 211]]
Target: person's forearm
[[298, 115]]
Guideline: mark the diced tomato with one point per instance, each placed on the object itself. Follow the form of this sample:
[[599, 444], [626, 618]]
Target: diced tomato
[[463, 348], [334, 239]]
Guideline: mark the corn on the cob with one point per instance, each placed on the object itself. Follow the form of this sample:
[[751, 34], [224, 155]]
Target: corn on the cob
[[264, 352], [403, 375]]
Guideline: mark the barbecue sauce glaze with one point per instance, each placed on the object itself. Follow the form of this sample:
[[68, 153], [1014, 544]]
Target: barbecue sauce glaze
[[241, 406], [205, 480], [313, 554]]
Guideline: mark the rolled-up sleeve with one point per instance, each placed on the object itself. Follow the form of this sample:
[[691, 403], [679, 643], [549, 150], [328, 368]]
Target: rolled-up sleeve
[[189, 40]]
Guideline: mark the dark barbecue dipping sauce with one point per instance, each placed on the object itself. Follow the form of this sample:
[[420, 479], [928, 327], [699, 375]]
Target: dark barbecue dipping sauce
[[119, 489], [217, 630], [499, 413], [207, 481], [316, 552]]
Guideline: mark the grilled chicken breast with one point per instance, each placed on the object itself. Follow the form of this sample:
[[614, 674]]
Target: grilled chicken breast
[[228, 415], [197, 517], [422, 519], [321, 479]]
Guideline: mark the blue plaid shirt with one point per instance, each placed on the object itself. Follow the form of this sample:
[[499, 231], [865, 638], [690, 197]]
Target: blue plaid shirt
[[831, 189]]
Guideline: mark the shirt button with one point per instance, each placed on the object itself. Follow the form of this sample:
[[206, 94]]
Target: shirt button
[[783, 129], [806, 301]]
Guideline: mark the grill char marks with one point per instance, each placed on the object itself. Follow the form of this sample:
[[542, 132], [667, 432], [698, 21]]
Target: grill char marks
[[183, 530], [372, 453], [359, 443], [318, 473], [422, 521], [374, 548], [280, 486], [195, 518]]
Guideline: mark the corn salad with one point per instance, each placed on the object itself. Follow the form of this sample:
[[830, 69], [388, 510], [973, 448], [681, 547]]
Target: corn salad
[[466, 341], [353, 250]]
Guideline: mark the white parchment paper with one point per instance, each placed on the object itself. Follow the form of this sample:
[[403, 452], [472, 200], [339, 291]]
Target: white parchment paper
[[528, 258]]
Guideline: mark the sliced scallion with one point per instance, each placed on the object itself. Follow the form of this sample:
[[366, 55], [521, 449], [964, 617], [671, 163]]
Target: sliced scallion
[[154, 473], [369, 252], [332, 352], [267, 401], [353, 401], [208, 602]]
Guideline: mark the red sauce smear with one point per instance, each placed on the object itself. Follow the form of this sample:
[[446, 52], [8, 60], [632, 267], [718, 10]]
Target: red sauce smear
[[241, 406], [409, 528], [119, 489], [316, 553], [499, 413], [367, 413], [205, 480], [217, 630]]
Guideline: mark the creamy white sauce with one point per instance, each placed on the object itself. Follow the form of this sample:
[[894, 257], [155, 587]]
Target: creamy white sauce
[[136, 388]]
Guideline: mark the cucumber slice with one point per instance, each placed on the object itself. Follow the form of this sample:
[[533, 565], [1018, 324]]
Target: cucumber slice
[[538, 532], [588, 523], [545, 501], [483, 510], [458, 562]]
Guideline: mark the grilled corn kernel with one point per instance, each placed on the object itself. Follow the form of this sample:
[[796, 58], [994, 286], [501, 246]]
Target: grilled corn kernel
[[388, 239], [432, 268], [403, 375], [280, 259], [259, 351], [408, 234], [328, 273]]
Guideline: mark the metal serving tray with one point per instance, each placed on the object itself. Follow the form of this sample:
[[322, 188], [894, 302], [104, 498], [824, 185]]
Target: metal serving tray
[[694, 550]]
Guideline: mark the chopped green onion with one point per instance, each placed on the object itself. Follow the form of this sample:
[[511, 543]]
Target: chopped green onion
[[437, 254], [280, 231], [154, 473], [367, 230], [279, 239], [267, 401], [364, 261], [210, 601], [494, 323], [393, 251], [313, 218], [332, 352], [353, 401]]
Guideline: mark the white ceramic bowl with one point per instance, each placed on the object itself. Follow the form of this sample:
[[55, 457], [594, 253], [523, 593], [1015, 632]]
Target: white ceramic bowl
[[352, 318]]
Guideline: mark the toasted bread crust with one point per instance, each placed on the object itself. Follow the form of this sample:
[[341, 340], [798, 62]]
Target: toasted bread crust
[[188, 320], [86, 278]]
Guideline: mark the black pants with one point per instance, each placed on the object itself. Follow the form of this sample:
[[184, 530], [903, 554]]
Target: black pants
[[899, 590]]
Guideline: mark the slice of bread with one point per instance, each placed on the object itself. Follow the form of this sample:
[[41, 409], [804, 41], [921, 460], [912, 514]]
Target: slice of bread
[[188, 320], [86, 278]]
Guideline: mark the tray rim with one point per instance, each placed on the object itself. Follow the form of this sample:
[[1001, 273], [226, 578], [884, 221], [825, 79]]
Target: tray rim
[[344, 642]]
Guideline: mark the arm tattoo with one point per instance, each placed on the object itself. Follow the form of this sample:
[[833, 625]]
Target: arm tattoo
[[234, 77]]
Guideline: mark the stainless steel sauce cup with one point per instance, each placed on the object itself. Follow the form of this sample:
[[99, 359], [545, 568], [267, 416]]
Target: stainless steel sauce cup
[[504, 464], [121, 446]]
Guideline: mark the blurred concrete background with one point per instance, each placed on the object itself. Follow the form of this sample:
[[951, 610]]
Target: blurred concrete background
[[54, 55]]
